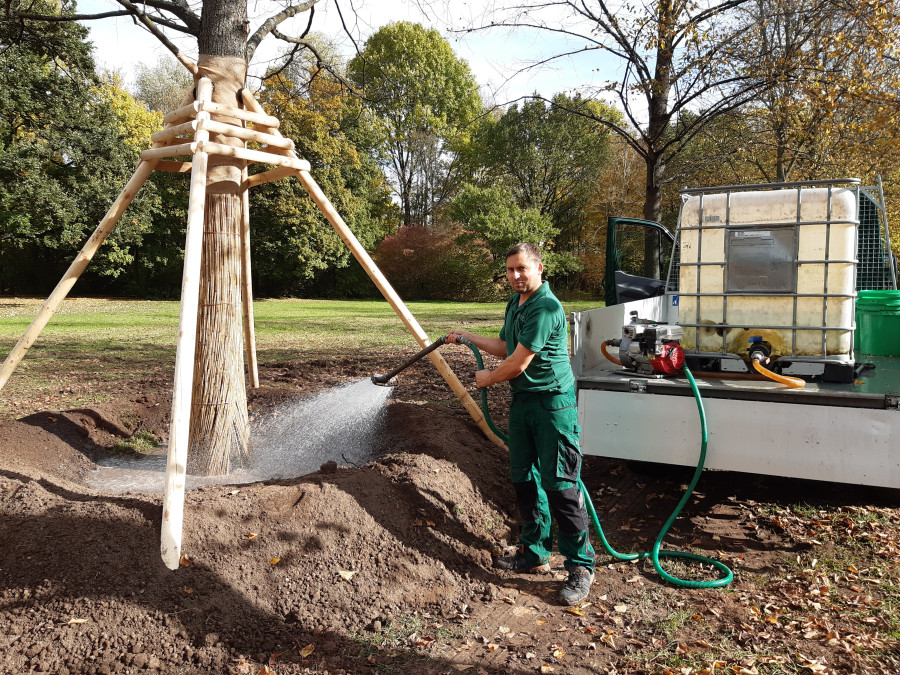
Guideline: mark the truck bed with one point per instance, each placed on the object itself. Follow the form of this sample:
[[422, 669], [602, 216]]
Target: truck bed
[[876, 387], [846, 433]]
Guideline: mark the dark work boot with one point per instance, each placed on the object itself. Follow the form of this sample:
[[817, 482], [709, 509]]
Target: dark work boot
[[518, 563], [577, 586]]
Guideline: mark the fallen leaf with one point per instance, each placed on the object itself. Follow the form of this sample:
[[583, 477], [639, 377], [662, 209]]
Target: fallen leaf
[[251, 535], [184, 560], [546, 668], [274, 561], [633, 580], [541, 622], [621, 609], [265, 670], [577, 611], [71, 621], [559, 653], [307, 650], [189, 591], [608, 639], [346, 575]]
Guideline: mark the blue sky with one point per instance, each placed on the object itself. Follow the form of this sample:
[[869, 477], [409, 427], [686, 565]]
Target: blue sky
[[494, 56]]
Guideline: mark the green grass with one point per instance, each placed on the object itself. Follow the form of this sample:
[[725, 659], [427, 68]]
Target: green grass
[[141, 443], [129, 326], [91, 344]]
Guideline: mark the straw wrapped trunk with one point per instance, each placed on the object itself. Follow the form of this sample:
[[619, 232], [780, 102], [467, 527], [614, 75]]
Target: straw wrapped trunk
[[220, 430]]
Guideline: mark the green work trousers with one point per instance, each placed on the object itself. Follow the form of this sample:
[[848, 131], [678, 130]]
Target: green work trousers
[[545, 463]]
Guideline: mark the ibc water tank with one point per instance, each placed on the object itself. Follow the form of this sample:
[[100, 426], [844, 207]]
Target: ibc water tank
[[776, 265]]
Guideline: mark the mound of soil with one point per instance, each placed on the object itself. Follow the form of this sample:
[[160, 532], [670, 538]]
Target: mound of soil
[[380, 568]]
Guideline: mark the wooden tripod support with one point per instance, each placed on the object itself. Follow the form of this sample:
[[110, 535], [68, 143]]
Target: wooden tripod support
[[186, 131]]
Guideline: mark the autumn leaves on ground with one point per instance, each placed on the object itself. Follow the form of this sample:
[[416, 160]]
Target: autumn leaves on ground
[[386, 567]]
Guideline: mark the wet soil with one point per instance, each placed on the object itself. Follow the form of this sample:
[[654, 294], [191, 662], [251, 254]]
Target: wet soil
[[384, 567]]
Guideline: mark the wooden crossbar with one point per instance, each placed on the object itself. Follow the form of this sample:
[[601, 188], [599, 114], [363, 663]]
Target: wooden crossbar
[[190, 111], [249, 156]]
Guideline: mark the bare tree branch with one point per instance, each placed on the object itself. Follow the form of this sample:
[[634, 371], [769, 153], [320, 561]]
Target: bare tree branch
[[55, 18], [321, 63], [178, 9], [159, 35], [272, 22]]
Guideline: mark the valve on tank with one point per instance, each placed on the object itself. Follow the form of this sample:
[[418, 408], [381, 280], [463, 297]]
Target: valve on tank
[[651, 348], [759, 350]]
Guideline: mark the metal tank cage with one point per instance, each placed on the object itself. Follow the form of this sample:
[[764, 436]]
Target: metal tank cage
[[873, 265]]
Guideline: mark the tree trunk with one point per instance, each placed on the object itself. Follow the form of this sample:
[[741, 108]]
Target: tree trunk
[[656, 169], [220, 430]]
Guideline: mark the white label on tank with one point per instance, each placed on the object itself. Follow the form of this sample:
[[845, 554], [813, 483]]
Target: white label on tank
[[761, 233]]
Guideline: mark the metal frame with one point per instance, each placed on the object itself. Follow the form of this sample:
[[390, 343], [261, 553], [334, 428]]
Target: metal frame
[[676, 263]]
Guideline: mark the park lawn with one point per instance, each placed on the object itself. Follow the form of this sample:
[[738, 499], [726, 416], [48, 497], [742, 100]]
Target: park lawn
[[93, 347]]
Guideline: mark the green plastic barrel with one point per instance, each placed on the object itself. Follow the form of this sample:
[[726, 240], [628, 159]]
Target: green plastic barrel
[[878, 323]]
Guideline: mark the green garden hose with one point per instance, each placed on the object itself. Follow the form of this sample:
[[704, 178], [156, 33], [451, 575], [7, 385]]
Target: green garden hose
[[655, 553]]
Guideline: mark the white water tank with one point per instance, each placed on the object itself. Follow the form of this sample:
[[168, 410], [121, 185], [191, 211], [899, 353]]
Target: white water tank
[[772, 265]]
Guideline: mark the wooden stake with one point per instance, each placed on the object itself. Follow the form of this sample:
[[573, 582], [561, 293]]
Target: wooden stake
[[176, 465], [171, 150], [48, 309], [247, 286], [171, 133], [181, 114], [391, 296], [244, 134], [289, 160], [173, 167], [258, 118], [268, 176]]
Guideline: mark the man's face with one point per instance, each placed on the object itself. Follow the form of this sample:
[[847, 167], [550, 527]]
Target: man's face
[[523, 273]]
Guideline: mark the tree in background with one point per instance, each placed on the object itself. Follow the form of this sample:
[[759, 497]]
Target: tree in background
[[549, 157], [67, 145], [161, 86], [424, 98], [674, 57], [492, 222], [830, 84], [292, 239], [426, 263]]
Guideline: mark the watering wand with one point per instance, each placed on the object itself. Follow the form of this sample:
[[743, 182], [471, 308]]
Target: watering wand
[[390, 379]]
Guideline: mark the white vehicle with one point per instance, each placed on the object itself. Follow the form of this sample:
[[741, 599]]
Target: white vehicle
[[763, 289]]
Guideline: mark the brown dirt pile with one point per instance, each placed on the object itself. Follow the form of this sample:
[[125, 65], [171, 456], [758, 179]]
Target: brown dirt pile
[[379, 568]]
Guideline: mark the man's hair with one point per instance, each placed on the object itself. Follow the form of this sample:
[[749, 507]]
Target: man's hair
[[531, 251]]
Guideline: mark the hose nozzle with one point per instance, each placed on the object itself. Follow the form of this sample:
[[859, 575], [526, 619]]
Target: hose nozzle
[[384, 380]]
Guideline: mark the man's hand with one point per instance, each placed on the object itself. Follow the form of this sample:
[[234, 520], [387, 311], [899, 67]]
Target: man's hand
[[452, 335], [483, 378]]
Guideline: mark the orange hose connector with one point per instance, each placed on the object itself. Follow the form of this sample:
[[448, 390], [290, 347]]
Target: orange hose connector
[[608, 355], [791, 382]]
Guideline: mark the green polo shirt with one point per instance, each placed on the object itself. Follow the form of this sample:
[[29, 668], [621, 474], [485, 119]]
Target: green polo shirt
[[539, 325]]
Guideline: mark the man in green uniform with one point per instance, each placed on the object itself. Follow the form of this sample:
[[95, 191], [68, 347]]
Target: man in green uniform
[[544, 454]]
